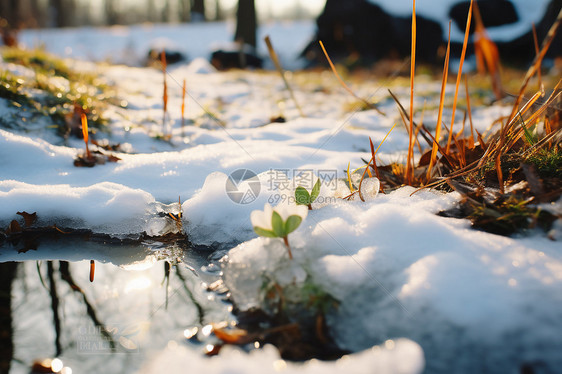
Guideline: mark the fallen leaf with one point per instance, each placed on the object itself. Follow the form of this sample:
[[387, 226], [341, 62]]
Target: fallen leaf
[[13, 228], [28, 218], [231, 336]]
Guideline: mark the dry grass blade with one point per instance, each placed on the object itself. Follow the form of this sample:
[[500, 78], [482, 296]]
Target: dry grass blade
[[536, 64], [499, 169], [459, 73], [344, 85], [165, 91], [277, 64], [418, 128], [84, 120], [537, 52], [440, 113], [523, 124], [406, 117], [183, 92], [373, 153], [374, 162], [487, 54], [410, 158]]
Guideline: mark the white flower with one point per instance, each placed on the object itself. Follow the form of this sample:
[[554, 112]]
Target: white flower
[[262, 218], [286, 210]]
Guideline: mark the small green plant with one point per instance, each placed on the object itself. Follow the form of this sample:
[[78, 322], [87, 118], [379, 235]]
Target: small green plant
[[547, 162], [302, 197], [508, 216], [64, 92], [317, 298], [278, 222]]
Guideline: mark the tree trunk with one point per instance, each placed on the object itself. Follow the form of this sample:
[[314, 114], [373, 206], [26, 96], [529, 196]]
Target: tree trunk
[[9, 10], [166, 12], [218, 12], [151, 11], [246, 22], [111, 12], [37, 14], [184, 10], [64, 10], [198, 10]]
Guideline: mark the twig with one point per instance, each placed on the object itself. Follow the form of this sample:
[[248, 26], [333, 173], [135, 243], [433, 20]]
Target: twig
[[344, 85], [459, 73], [277, 64]]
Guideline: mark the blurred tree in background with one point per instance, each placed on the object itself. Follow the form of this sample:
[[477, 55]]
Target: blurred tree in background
[[20, 14], [246, 23], [198, 10]]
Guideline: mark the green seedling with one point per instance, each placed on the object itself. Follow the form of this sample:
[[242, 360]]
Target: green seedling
[[278, 222], [302, 197]]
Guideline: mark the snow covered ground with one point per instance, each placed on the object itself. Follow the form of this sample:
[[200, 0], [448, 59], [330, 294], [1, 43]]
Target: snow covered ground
[[412, 287]]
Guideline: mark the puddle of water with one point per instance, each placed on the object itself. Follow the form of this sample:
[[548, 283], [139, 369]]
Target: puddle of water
[[143, 299]]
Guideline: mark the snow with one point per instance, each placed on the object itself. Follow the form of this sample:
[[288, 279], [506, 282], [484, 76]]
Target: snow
[[401, 357], [105, 207], [130, 45], [399, 270], [414, 288]]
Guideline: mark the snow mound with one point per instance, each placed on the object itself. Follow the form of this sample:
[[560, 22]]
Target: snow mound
[[460, 294], [103, 207], [394, 357], [200, 66], [213, 216]]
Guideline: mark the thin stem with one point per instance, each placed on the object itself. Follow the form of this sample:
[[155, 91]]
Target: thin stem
[[92, 270], [277, 64], [286, 241]]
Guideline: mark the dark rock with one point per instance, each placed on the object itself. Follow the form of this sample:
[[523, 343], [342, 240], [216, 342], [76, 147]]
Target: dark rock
[[520, 50], [525, 46], [230, 59], [364, 31], [494, 13], [172, 57]]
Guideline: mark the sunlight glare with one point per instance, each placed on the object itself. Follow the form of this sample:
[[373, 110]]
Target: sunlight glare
[[56, 365], [144, 264], [138, 284]]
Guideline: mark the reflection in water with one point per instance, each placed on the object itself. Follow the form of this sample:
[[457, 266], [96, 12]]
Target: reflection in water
[[143, 300], [54, 306], [7, 274]]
